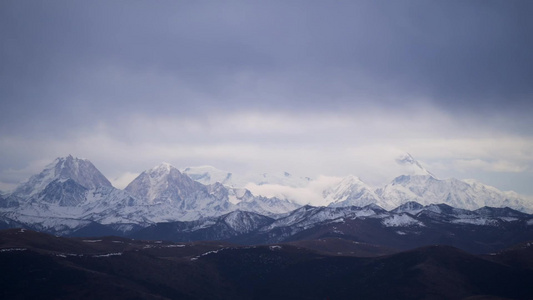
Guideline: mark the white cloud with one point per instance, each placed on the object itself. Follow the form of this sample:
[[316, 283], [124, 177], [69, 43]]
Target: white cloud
[[123, 180], [310, 194], [364, 144], [494, 166]]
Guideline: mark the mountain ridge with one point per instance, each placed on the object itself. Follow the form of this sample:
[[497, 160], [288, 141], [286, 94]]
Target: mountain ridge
[[420, 185], [71, 194]]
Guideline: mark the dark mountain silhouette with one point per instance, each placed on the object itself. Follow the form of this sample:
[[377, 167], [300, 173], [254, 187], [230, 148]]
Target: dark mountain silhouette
[[37, 265]]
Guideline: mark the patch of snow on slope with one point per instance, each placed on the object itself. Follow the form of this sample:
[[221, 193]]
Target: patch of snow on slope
[[477, 221], [401, 220]]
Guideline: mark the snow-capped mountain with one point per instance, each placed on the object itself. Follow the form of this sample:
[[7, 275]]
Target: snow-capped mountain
[[411, 166], [421, 186], [351, 191], [71, 194], [426, 189], [243, 199], [166, 184], [415, 184], [67, 195], [497, 198], [66, 182], [81, 171]]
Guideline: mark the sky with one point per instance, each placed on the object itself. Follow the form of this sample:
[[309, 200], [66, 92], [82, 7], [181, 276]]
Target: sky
[[309, 87]]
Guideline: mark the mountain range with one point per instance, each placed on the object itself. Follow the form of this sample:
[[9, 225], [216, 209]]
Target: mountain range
[[415, 184], [72, 197]]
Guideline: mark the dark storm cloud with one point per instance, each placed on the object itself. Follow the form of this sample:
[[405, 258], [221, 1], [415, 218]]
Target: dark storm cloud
[[74, 63]]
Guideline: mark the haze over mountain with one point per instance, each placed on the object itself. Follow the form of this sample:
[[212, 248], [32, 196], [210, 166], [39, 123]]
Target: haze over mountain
[[413, 182]]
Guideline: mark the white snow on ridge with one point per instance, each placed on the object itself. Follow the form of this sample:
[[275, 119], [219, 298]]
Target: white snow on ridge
[[307, 217], [401, 220], [413, 167], [351, 191], [107, 255], [80, 170], [428, 190], [163, 194], [12, 249], [476, 221], [418, 185]]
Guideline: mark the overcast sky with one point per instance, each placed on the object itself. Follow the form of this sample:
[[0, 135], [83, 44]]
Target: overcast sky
[[309, 87]]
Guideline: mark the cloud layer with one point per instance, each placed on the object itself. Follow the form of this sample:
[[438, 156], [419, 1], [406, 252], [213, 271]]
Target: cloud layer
[[316, 88]]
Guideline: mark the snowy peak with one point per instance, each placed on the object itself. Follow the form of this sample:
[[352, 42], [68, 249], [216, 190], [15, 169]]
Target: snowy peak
[[426, 190], [209, 175], [351, 180], [413, 179], [81, 171], [411, 165], [163, 170], [163, 184], [351, 191], [164, 167]]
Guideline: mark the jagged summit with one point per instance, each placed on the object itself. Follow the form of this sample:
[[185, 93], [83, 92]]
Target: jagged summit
[[163, 183], [420, 179], [209, 175], [73, 189], [82, 171], [351, 191], [164, 166], [350, 179], [413, 167], [161, 170]]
